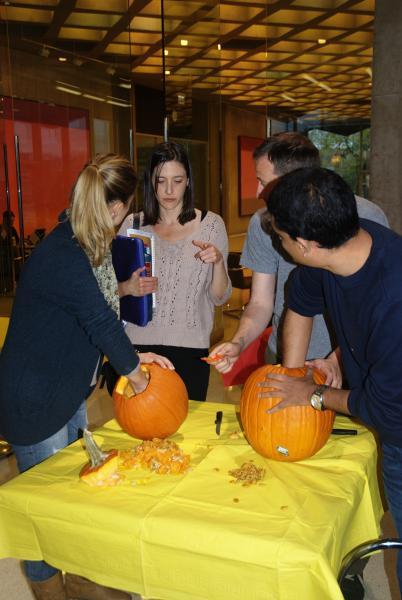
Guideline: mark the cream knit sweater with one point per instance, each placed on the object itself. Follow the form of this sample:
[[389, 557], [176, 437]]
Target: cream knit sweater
[[184, 303]]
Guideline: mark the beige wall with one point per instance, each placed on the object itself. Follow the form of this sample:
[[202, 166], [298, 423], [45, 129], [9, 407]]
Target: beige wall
[[236, 122], [229, 123]]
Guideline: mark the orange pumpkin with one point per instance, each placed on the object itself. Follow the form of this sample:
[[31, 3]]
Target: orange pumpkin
[[291, 434], [158, 411]]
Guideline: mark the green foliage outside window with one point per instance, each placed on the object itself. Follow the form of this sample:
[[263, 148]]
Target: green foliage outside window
[[347, 155]]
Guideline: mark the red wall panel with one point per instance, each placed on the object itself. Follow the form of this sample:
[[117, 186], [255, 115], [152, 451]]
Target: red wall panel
[[54, 145]]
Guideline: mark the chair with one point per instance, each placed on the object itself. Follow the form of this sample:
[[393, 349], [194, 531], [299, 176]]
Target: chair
[[361, 552], [249, 360], [239, 281]]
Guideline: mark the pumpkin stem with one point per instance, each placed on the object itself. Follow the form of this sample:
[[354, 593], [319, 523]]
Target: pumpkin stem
[[96, 456]]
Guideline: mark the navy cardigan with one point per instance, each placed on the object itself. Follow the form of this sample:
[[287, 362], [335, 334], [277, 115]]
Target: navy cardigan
[[366, 311], [60, 325]]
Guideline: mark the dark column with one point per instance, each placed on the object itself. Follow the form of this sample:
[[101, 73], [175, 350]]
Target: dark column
[[386, 119]]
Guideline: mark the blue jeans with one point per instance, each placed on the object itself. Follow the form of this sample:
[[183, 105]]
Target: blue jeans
[[392, 475], [29, 456]]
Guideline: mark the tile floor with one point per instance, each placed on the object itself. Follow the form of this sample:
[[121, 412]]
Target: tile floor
[[379, 575]]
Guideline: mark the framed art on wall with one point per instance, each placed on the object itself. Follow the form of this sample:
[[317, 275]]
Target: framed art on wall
[[248, 201]]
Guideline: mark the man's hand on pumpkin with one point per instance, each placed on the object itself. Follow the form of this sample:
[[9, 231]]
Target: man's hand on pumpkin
[[293, 391], [330, 368]]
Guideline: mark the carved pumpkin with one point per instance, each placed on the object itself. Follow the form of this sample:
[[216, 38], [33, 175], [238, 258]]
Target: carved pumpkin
[[291, 434], [101, 470], [158, 411]]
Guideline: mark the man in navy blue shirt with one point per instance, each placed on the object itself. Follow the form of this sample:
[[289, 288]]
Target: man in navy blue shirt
[[352, 270]]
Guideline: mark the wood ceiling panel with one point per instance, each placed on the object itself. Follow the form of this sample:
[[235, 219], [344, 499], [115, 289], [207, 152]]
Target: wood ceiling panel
[[257, 53], [321, 4], [294, 17], [265, 31], [34, 3], [25, 15], [314, 34], [117, 6], [73, 33], [347, 21], [96, 20]]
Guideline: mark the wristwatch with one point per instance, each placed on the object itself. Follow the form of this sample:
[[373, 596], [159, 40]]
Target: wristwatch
[[317, 397]]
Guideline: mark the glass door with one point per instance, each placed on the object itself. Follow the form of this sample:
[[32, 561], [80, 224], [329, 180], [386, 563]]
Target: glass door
[[9, 246], [57, 110]]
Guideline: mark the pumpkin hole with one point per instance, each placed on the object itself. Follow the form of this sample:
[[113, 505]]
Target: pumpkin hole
[[129, 391]]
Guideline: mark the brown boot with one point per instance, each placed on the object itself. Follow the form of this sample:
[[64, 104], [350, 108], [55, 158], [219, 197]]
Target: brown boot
[[79, 588], [50, 589]]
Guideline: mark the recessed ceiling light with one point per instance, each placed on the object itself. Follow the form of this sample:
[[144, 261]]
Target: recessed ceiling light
[[287, 97], [93, 97], [184, 42], [166, 52], [167, 72], [219, 47], [62, 59], [322, 41], [61, 88], [117, 103], [316, 82]]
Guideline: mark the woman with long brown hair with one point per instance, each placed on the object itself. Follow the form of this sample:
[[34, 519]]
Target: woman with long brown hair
[[191, 248]]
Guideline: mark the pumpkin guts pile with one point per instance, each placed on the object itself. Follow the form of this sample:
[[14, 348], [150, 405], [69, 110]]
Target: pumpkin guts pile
[[247, 474], [163, 457], [106, 469]]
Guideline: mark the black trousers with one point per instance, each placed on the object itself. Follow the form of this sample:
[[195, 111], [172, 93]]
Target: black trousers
[[188, 364]]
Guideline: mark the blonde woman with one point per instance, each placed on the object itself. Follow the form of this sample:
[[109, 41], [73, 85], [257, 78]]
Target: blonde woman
[[65, 316]]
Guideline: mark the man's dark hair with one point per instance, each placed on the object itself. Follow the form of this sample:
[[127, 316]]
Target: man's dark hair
[[288, 151], [314, 204]]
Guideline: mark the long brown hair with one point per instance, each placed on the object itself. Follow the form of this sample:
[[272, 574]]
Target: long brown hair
[[161, 154], [107, 178]]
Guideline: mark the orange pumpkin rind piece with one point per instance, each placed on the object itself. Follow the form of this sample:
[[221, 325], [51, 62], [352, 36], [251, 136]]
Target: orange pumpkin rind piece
[[214, 358], [102, 468]]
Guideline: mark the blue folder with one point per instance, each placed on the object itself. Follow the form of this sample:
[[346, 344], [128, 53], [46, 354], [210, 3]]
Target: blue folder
[[128, 256]]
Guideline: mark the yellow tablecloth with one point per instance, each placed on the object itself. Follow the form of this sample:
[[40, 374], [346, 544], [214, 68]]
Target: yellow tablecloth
[[197, 536]]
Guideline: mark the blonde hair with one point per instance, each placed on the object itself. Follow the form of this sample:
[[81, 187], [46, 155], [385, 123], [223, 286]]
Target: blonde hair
[[107, 178]]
